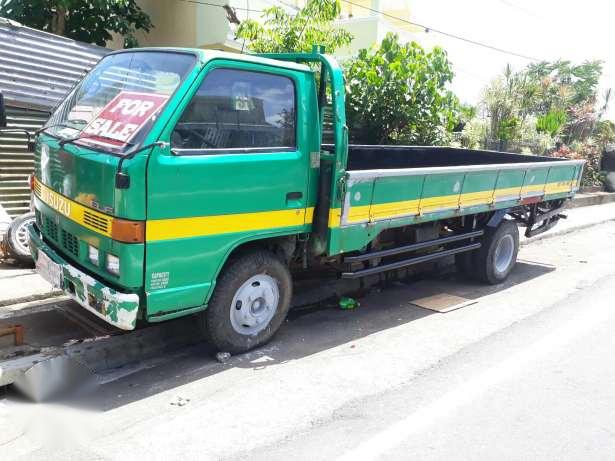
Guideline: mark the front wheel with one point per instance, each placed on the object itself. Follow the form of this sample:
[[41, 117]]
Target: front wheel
[[249, 304], [498, 254]]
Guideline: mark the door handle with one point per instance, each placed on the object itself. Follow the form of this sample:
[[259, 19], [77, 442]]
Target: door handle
[[294, 196]]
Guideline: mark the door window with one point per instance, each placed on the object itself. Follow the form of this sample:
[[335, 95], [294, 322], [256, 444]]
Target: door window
[[239, 110]]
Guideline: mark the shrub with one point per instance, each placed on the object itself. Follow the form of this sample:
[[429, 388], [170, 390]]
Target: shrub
[[398, 94], [592, 153]]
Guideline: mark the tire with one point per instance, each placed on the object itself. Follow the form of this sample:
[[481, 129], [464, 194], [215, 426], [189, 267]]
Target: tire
[[249, 304], [498, 254], [17, 238]]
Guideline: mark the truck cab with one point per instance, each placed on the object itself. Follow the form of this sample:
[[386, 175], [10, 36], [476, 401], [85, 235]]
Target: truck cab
[[232, 156]]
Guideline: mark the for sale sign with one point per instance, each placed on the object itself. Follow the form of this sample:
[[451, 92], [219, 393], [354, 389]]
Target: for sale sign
[[120, 120]]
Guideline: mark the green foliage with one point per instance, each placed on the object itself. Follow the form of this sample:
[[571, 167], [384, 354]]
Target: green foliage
[[605, 133], [467, 112], [90, 21], [562, 97], [508, 128], [397, 94], [563, 84], [473, 134], [278, 31], [591, 153], [552, 122], [504, 103]]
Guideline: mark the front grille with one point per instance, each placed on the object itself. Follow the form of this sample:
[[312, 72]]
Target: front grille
[[50, 229], [95, 221], [70, 243]]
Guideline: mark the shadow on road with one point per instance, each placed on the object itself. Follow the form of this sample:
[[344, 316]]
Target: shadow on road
[[307, 331]]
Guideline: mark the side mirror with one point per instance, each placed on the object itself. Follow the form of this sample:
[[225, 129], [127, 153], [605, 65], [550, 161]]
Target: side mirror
[[2, 112]]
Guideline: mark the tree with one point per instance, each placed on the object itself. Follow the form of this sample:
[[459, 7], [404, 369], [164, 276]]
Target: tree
[[558, 98], [398, 94], [90, 21], [281, 32], [570, 88], [506, 103]]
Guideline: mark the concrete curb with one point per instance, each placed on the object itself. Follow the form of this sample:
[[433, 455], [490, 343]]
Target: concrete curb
[[592, 198], [39, 373], [27, 299]]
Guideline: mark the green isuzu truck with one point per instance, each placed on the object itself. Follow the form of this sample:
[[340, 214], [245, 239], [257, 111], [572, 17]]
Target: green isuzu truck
[[172, 182]]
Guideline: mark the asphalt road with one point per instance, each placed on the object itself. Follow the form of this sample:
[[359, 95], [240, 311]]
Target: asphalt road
[[524, 373]]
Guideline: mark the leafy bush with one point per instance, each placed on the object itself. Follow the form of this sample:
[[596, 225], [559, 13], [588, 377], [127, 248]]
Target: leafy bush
[[552, 122], [592, 153], [474, 134], [562, 98], [398, 94]]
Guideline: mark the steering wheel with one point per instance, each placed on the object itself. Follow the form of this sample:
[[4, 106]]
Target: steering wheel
[[186, 134], [205, 142]]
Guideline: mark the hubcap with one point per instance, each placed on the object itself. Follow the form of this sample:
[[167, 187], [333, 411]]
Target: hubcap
[[504, 253], [22, 237], [254, 304]]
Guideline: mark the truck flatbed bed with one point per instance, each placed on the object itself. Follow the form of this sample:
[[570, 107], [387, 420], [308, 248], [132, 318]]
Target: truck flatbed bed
[[390, 186]]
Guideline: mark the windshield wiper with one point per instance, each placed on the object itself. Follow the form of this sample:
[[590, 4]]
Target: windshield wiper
[[57, 125], [65, 141]]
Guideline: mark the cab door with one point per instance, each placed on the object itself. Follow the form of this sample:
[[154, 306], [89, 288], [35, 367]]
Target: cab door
[[236, 171]]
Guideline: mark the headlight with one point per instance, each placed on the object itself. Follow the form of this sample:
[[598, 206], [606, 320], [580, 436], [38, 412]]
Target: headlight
[[93, 254], [113, 264]]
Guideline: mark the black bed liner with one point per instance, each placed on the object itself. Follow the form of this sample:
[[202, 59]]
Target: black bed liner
[[368, 157]]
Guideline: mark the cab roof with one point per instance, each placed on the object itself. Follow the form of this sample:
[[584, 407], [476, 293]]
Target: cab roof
[[204, 56]]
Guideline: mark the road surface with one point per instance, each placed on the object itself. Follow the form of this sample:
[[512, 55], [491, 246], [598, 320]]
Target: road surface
[[524, 373]]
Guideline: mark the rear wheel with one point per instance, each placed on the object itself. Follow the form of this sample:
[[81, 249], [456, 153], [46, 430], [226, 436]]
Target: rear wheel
[[249, 304], [498, 254]]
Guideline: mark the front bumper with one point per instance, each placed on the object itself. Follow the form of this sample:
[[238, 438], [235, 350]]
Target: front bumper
[[118, 309]]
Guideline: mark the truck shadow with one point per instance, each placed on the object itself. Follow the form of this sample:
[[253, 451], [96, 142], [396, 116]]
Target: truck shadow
[[308, 331]]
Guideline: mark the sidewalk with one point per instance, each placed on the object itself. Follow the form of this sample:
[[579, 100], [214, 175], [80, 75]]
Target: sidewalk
[[21, 285]]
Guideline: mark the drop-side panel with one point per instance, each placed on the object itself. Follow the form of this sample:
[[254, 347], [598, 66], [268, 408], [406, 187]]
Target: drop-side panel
[[376, 200]]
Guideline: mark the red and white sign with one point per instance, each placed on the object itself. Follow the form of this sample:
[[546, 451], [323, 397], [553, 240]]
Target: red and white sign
[[120, 120]]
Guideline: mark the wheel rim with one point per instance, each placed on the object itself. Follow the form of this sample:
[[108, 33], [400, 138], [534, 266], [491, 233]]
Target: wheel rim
[[21, 237], [254, 304], [504, 253]]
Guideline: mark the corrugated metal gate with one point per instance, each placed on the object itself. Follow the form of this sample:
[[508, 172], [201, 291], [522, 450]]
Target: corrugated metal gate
[[16, 163], [37, 69]]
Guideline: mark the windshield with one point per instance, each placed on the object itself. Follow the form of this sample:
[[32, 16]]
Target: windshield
[[113, 106]]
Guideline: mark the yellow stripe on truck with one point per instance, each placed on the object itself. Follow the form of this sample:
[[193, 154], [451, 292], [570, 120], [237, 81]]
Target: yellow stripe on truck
[[174, 228], [390, 210]]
